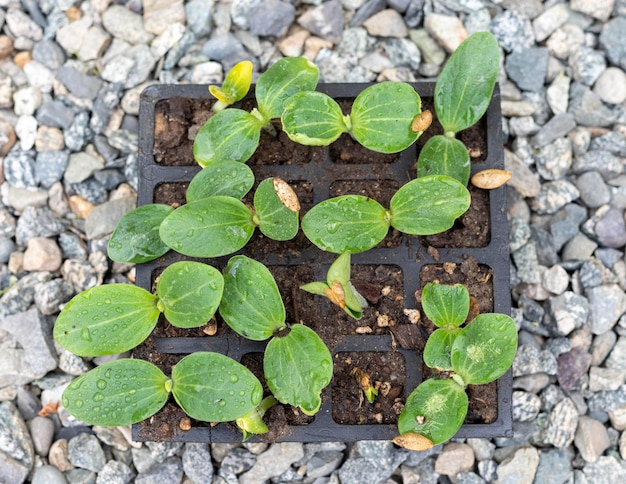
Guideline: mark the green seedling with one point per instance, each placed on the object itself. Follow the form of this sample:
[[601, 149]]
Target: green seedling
[[233, 134], [338, 288], [136, 238], [380, 119], [297, 364], [220, 225], [235, 87], [365, 383], [114, 318], [476, 354], [462, 95], [355, 223], [208, 386], [252, 423]]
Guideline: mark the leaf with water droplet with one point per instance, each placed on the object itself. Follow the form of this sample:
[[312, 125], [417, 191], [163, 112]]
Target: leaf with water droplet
[[225, 228], [445, 305], [474, 352], [277, 207], [204, 398], [297, 367], [100, 388], [118, 331], [350, 223], [382, 115], [251, 304], [229, 178], [191, 300], [435, 409], [443, 155], [136, 238], [428, 205]]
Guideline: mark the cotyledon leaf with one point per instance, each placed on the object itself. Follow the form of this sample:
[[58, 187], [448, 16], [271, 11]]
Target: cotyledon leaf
[[251, 304], [121, 392], [297, 367], [444, 155], [215, 388], [446, 305], [190, 293], [106, 320], [136, 238], [229, 178]]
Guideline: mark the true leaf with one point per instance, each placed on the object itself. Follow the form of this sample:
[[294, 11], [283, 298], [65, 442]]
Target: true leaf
[[350, 223], [210, 227], [297, 367], [465, 85], [106, 320], [382, 114], [251, 304], [121, 392], [435, 409], [277, 208], [215, 388], [228, 178], [445, 305], [283, 79], [484, 350], [190, 293], [438, 348], [428, 205], [136, 238], [236, 84], [313, 118], [340, 271], [230, 135], [443, 155]]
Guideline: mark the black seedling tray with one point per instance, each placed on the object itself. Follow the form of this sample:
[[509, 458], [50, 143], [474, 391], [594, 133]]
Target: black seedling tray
[[411, 255]]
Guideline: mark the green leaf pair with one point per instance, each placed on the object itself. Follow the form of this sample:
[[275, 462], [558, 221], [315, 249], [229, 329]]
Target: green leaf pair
[[476, 354], [233, 134], [380, 120], [355, 223], [208, 386], [114, 318], [220, 225], [462, 95], [297, 364], [338, 288]]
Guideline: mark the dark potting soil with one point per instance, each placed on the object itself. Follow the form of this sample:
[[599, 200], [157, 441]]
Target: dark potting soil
[[176, 122]]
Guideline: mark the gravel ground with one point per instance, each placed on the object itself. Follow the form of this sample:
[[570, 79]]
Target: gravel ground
[[70, 76]]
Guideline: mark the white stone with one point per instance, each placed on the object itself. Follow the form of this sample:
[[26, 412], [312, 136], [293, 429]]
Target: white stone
[[550, 20], [611, 86], [26, 100], [21, 25], [386, 23], [564, 40], [72, 36], [81, 166], [158, 15], [167, 39], [42, 254], [448, 31], [618, 418], [207, 73], [93, 44], [454, 458], [557, 94], [599, 9], [117, 69], [591, 439], [26, 131], [20, 198], [555, 279], [521, 466], [39, 76]]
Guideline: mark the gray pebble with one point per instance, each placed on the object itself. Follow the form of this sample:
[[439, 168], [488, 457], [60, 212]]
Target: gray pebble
[[170, 470], [554, 160], [72, 246], [565, 224], [526, 406], [554, 466], [79, 133], [587, 64], [221, 46], [271, 18], [402, 52], [593, 190], [610, 230], [17, 457], [601, 161], [50, 167], [530, 359], [602, 346], [607, 400], [572, 366], [50, 295], [42, 432], [593, 273], [91, 190], [79, 84], [197, 462], [558, 126], [48, 474], [526, 263], [612, 40], [560, 428], [579, 248], [19, 169], [85, 452], [588, 109], [198, 17], [554, 196], [591, 438], [513, 31], [521, 465], [528, 67], [115, 472], [373, 460], [55, 114], [108, 99], [488, 469], [7, 247], [367, 10], [325, 21], [614, 142], [49, 53], [607, 303], [81, 476]]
